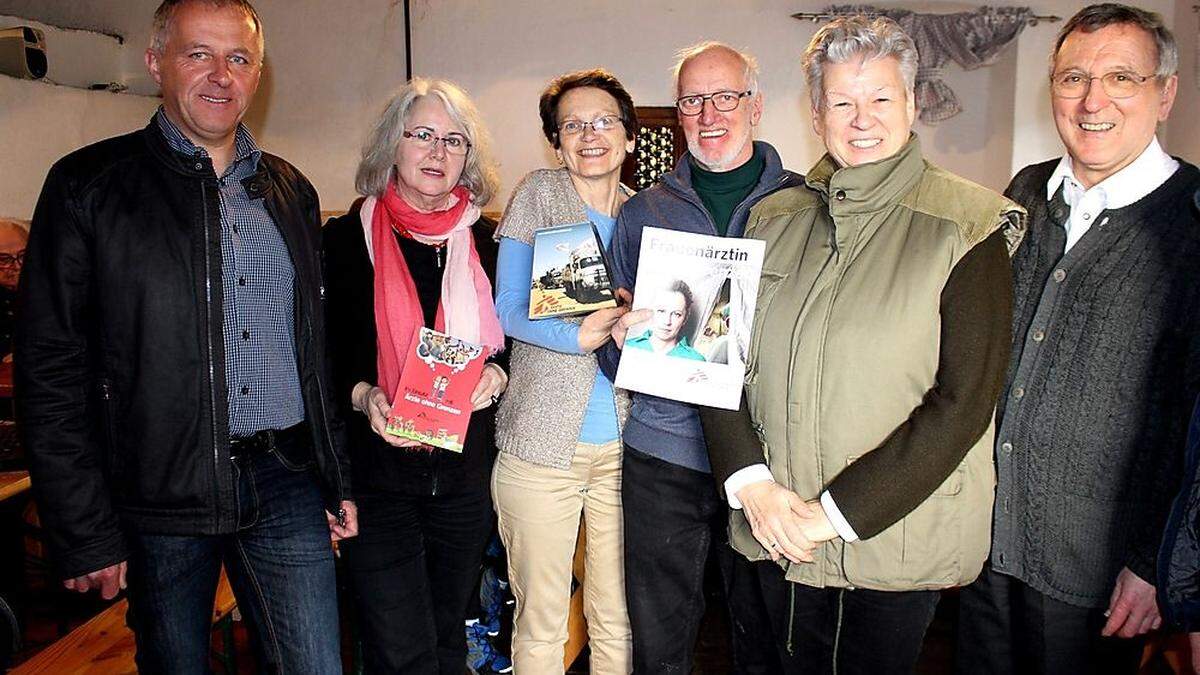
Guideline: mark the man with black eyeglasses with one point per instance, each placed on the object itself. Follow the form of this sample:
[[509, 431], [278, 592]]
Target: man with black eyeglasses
[[1104, 367], [673, 512], [12, 254]]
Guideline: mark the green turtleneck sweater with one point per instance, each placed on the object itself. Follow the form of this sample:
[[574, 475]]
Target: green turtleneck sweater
[[722, 191]]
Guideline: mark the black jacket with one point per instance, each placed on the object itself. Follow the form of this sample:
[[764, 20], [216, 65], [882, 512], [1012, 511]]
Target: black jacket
[[1179, 557], [120, 372], [379, 467]]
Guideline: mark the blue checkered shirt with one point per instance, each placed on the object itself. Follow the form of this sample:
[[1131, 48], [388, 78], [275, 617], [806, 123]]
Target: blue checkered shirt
[[261, 375]]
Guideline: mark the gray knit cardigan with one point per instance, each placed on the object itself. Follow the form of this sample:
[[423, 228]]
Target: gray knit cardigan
[[542, 412]]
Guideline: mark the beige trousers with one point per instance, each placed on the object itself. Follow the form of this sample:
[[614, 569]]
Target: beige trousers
[[539, 510]]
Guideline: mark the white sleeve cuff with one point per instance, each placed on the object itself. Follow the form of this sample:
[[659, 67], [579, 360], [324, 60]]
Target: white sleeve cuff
[[755, 473], [839, 522]]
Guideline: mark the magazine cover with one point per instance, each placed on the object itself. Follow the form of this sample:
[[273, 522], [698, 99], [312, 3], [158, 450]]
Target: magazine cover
[[570, 275], [702, 290], [432, 404]]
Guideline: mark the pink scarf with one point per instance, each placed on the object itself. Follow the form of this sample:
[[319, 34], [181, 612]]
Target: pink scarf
[[465, 309]]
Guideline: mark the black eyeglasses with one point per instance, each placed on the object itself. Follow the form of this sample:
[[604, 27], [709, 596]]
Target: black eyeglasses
[[723, 101], [12, 260]]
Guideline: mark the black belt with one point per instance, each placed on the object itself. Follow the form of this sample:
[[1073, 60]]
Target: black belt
[[266, 440]]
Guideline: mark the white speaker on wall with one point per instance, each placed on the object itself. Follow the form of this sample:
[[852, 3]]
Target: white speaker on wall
[[23, 52]]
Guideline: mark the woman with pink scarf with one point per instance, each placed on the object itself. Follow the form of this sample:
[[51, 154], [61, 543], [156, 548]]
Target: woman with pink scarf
[[415, 252]]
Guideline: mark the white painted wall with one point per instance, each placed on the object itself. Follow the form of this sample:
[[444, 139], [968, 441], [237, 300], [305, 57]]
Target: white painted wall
[[505, 52], [41, 122], [330, 67], [85, 57], [1182, 139]]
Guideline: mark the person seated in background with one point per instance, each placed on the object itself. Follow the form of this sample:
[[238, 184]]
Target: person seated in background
[[13, 237]]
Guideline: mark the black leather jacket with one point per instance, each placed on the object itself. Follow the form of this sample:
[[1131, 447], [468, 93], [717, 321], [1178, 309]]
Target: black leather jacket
[[120, 373]]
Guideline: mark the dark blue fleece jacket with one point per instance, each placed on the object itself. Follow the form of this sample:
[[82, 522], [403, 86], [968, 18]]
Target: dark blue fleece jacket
[[663, 428]]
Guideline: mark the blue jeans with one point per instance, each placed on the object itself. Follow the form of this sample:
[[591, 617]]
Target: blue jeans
[[280, 566]]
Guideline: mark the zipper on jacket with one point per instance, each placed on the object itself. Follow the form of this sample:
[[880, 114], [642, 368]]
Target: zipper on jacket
[[212, 389], [106, 395]]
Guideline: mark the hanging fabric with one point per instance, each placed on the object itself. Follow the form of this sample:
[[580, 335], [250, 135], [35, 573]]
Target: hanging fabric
[[971, 39]]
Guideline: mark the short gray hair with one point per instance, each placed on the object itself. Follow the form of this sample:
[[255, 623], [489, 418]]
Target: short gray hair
[[166, 12], [749, 63], [850, 37], [379, 152], [1094, 17]]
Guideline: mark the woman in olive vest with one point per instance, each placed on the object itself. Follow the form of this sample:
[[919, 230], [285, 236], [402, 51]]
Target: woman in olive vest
[[860, 464]]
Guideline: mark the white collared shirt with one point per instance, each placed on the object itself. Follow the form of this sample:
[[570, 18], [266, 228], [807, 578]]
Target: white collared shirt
[[1144, 175]]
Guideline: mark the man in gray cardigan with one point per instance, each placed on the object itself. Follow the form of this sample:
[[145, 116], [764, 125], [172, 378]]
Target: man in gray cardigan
[[1104, 368], [672, 510]]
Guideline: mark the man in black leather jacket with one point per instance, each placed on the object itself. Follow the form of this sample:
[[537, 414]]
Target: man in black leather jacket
[[172, 388]]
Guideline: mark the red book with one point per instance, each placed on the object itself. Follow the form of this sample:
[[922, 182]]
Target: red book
[[432, 403]]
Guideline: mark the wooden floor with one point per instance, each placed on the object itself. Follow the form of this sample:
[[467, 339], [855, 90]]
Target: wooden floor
[[50, 613]]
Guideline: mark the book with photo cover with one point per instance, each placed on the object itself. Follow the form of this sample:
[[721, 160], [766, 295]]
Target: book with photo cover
[[432, 403], [570, 274], [702, 291]]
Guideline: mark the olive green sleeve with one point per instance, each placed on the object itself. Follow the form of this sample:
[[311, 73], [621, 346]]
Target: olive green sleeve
[[884, 485]]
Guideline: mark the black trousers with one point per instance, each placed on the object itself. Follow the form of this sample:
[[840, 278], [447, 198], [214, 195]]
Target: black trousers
[[413, 568], [847, 632], [1004, 626], [673, 518]]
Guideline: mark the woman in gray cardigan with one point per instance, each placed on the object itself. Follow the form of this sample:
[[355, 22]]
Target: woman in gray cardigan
[[559, 427]]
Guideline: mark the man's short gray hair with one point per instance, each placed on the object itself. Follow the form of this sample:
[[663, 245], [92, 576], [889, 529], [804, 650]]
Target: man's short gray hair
[[749, 63], [1094, 17], [166, 12], [379, 152], [851, 37]]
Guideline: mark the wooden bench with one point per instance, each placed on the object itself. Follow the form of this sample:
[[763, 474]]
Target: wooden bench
[[105, 646], [13, 483]]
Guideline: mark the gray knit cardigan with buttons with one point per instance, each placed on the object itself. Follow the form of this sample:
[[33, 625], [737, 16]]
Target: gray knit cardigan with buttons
[[542, 412]]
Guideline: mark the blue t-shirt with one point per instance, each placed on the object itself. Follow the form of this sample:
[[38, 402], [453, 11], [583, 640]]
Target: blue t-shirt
[[513, 270]]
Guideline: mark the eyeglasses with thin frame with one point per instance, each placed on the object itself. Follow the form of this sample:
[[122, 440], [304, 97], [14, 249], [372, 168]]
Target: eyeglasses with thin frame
[[722, 101], [599, 125], [12, 260], [1117, 84], [454, 143]]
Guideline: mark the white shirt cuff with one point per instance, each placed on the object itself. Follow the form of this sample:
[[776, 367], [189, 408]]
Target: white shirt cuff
[[839, 522], [755, 473]]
